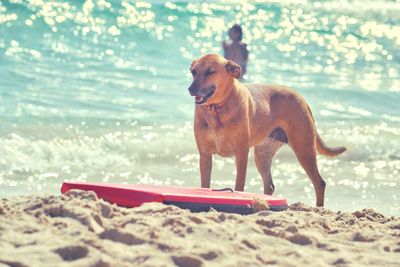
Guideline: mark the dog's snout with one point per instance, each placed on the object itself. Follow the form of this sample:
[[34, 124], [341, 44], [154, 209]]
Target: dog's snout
[[193, 88]]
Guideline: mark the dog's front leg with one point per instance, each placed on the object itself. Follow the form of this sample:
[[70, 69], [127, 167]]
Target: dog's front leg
[[242, 156], [205, 170]]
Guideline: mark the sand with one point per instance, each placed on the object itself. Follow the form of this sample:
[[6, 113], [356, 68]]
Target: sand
[[78, 229]]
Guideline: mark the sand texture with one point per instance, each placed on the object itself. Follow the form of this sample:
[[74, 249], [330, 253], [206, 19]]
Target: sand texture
[[78, 229]]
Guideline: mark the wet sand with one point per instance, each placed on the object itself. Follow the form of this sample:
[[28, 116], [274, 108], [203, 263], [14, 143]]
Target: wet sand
[[78, 229]]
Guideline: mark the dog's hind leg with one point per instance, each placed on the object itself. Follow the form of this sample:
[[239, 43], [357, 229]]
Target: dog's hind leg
[[302, 138], [263, 154]]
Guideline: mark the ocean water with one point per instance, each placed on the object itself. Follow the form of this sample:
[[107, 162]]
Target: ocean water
[[97, 91]]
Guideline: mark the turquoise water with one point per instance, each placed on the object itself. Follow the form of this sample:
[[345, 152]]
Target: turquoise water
[[97, 91]]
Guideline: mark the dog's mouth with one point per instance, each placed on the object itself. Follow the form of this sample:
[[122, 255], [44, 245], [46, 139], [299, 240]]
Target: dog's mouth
[[203, 99]]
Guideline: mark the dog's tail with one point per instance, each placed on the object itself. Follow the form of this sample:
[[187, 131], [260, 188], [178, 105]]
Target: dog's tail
[[328, 151], [322, 148]]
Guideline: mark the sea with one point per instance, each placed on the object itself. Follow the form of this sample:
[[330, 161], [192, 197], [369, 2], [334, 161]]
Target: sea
[[96, 91]]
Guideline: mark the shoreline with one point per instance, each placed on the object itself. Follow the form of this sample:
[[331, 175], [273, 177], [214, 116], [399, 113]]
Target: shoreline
[[78, 229]]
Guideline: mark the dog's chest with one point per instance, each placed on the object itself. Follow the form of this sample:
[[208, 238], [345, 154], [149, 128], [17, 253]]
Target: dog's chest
[[223, 142], [221, 131]]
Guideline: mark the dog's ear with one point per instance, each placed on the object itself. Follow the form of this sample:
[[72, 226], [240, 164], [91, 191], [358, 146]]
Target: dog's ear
[[233, 69]]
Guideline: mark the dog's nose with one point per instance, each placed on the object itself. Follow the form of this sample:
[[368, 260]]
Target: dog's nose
[[192, 90]]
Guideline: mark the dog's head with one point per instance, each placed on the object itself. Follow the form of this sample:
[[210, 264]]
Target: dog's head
[[213, 77]]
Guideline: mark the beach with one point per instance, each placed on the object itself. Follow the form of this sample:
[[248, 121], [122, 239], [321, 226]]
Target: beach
[[78, 229]]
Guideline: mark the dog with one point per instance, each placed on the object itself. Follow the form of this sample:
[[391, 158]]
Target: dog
[[231, 117]]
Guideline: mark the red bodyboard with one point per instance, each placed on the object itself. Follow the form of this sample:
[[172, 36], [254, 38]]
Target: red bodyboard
[[134, 195]]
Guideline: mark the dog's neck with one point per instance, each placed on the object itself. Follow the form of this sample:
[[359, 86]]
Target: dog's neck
[[216, 108]]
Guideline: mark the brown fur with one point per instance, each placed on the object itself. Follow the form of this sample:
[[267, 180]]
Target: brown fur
[[237, 117]]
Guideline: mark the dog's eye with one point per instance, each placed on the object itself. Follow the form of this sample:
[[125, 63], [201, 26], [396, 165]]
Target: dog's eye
[[209, 72], [193, 73]]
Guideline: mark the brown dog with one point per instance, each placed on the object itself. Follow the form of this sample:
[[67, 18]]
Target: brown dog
[[231, 117]]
